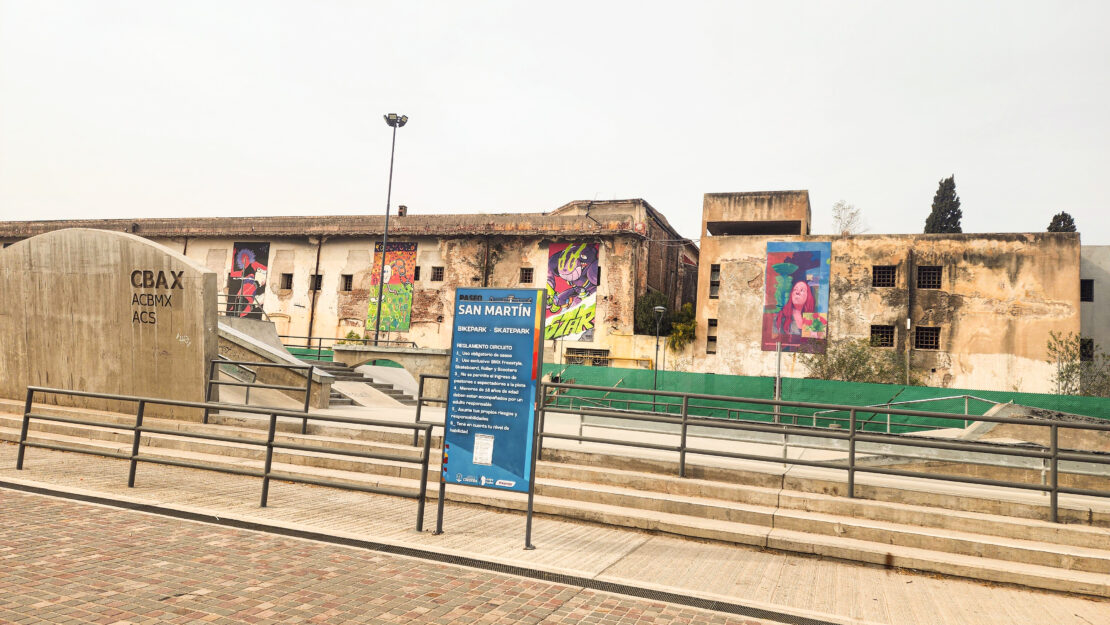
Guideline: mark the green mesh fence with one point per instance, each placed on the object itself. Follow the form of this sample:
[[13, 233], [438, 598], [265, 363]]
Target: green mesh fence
[[310, 352], [944, 400]]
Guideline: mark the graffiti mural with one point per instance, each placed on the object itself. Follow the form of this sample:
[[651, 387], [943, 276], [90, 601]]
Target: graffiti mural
[[400, 260], [796, 305], [572, 276], [246, 282]]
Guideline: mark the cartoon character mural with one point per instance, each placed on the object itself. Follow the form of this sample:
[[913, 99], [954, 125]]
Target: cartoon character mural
[[796, 305], [400, 260], [573, 273], [246, 282]]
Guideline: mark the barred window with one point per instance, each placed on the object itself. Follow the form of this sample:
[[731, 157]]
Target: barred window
[[526, 275], [416, 273], [1086, 350], [928, 277], [1086, 290], [926, 338], [348, 282], [316, 282], [714, 281], [883, 275], [882, 336], [286, 281], [437, 274]]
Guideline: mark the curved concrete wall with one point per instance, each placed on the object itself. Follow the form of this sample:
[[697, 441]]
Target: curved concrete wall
[[105, 312]]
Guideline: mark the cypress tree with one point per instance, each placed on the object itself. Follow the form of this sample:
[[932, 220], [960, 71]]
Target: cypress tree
[[1061, 222], [946, 214]]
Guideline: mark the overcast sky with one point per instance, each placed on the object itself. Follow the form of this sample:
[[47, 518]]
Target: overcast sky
[[112, 109]]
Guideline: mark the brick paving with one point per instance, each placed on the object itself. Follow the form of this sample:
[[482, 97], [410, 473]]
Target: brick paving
[[70, 562]]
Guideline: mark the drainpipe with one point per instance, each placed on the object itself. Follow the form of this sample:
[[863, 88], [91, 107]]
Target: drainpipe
[[909, 311], [185, 247], [315, 293]]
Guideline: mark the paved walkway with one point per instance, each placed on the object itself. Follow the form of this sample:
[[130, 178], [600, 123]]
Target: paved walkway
[[745, 580]]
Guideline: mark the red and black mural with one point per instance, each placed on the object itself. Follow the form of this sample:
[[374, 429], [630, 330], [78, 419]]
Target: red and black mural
[[246, 283]]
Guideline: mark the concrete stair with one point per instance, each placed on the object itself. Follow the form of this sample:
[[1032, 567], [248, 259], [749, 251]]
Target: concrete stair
[[932, 531], [343, 372]]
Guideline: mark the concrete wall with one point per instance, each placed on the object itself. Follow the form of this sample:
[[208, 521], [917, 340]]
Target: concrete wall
[[1001, 295], [753, 211], [1094, 264], [78, 312]]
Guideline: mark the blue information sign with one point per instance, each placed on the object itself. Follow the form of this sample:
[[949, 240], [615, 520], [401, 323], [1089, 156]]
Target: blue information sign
[[491, 395]]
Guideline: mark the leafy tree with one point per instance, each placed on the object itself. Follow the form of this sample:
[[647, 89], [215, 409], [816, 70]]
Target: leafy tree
[[1061, 222], [644, 316], [946, 214], [682, 327], [855, 360], [847, 219], [1081, 366]]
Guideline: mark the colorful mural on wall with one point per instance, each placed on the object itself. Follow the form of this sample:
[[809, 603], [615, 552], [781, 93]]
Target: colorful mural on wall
[[573, 272], [246, 282], [796, 305], [400, 261]]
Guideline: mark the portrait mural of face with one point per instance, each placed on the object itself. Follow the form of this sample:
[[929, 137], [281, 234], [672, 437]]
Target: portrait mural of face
[[573, 272], [796, 302], [246, 282], [400, 258]]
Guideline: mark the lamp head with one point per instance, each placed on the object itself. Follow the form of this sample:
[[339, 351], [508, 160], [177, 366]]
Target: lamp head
[[396, 120]]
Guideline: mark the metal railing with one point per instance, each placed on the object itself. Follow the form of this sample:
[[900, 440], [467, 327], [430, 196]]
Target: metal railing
[[213, 380], [267, 474], [233, 305], [1052, 455], [241, 373], [909, 402], [318, 343]]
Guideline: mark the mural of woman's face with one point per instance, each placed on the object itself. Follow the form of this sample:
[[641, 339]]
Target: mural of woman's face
[[799, 294]]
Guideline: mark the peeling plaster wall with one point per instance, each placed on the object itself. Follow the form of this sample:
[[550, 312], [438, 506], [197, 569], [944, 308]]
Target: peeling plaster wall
[[1001, 295]]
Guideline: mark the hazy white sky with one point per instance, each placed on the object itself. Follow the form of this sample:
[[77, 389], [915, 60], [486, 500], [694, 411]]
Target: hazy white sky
[[140, 109]]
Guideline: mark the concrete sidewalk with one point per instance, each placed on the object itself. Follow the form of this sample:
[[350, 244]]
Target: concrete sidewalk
[[789, 585]]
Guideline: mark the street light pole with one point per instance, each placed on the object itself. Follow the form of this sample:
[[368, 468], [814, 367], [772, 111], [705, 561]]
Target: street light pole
[[659, 312], [395, 122]]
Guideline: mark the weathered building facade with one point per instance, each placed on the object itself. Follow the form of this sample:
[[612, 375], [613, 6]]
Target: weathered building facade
[[969, 310], [319, 276]]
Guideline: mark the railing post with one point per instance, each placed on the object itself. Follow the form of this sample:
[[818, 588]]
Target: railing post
[[307, 398], [965, 412], [1054, 439], [851, 453], [23, 430], [135, 444], [208, 389], [419, 406], [269, 460], [682, 443], [426, 457], [540, 413]]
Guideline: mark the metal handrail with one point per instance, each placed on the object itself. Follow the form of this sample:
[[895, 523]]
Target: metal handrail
[[228, 305], [213, 380], [269, 443], [254, 375], [319, 342], [907, 402]]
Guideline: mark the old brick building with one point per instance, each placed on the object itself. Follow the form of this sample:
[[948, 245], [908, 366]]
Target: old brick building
[[969, 310], [319, 276]]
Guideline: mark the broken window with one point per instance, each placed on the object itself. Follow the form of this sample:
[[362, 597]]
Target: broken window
[[1086, 290], [925, 337], [711, 337], [928, 277], [526, 275], [437, 274], [286, 281], [348, 282], [883, 276], [714, 281], [882, 336]]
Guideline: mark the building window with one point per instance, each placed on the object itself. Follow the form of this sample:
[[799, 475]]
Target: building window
[[416, 273], [526, 275], [315, 282], [711, 337], [883, 276], [928, 277], [1086, 290], [593, 357], [286, 281], [926, 338], [348, 282], [437, 274], [1086, 350], [882, 336], [714, 281]]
